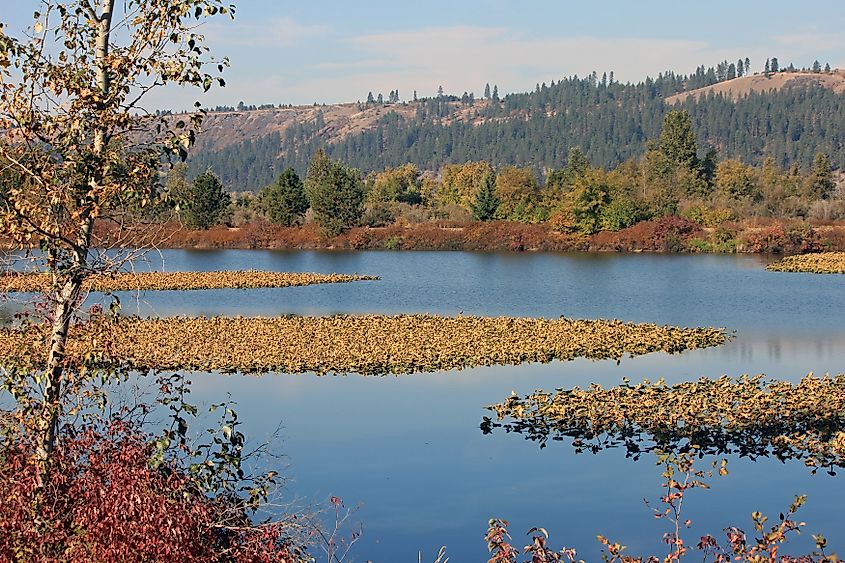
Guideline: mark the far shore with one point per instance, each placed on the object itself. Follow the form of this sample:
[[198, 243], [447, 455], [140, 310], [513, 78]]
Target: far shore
[[666, 235]]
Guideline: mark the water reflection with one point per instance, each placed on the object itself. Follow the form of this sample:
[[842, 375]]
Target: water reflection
[[410, 448], [746, 417]]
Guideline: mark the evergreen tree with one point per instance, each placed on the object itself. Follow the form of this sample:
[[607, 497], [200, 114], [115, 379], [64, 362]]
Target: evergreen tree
[[487, 91], [495, 97], [827, 67], [336, 194], [740, 68], [486, 201], [370, 99], [284, 201], [380, 99], [817, 67], [768, 66], [821, 182], [747, 65], [205, 202], [576, 163], [774, 65], [677, 139], [440, 91]]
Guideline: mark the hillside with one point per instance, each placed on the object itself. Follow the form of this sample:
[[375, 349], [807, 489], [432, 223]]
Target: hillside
[[761, 83], [788, 116], [334, 122]]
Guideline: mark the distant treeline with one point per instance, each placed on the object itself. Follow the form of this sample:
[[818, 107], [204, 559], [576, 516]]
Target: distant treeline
[[674, 180], [609, 121]]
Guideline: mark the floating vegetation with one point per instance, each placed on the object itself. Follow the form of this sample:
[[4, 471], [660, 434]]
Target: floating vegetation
[[746, 416], [159, 281], [820, 263], [367, 344]]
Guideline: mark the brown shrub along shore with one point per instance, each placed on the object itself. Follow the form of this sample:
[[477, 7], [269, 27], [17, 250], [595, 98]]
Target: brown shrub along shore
[[668, 234], [366, 344], [181, 281]]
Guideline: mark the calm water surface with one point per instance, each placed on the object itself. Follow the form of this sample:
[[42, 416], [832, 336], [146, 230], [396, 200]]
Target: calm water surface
[[409, 448]]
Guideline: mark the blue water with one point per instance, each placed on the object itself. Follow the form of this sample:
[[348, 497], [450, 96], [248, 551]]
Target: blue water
[[409, 448]]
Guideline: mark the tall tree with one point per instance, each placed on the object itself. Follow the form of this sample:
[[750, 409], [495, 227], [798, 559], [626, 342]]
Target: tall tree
[[206, 202], [774, 66], [70, 112], [486, 202], [336, 194], [284, 201], [820, 181], [677, 139], [487, 91]]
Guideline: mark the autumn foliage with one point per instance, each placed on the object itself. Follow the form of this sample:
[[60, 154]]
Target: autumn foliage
[[100, 498]]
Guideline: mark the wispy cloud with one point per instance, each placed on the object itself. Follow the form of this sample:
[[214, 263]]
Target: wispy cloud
[[273, 33], [466, 57]]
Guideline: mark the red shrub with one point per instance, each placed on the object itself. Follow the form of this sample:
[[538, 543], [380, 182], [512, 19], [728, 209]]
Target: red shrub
[[100, 499]]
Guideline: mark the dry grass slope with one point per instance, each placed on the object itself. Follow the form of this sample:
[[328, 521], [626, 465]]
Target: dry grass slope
[[367, 345], [739, 87]]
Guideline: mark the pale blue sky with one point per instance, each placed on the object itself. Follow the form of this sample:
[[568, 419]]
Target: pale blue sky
[[330, 51]]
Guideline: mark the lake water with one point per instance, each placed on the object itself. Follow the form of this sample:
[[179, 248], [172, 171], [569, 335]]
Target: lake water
[[409, 448]]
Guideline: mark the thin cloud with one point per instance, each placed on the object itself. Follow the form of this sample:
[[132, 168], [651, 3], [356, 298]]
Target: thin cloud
[[466, 57], [274, 33]]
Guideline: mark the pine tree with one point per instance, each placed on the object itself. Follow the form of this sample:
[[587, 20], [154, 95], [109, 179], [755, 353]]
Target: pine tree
[[827, 67], [495, 97], [440, 91], [747, 65], [774, 66], [487, 91], [768, 66], [205, 202], [284, 201], [677, 139], [740, 68], [486, 201], [370, 99], [821, 179], [336, 194], [817, 67]]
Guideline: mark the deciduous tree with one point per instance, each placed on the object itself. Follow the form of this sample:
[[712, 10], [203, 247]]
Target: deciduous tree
[[78, 144]]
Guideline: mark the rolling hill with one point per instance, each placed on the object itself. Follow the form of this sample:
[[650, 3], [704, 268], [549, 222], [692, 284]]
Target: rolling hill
[[789, 116]]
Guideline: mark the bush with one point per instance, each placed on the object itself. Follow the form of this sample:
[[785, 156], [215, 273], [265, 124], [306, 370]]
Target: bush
[[103, 497]]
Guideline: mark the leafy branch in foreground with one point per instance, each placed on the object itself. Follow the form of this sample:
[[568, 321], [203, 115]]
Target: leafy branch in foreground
[[680, 477], [78, 147], [747, 416]]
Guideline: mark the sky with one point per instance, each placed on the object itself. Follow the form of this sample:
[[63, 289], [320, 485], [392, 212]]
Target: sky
[[329, 51]]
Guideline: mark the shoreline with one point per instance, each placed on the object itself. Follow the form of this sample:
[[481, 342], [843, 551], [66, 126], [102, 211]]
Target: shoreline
[[668, 235]]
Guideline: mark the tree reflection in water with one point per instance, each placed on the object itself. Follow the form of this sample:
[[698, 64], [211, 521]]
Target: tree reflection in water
[[748, 416]]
